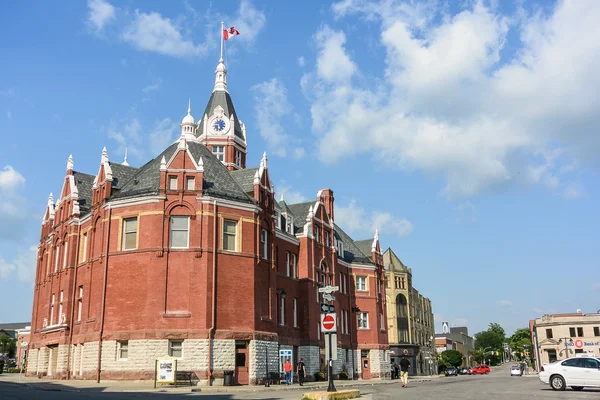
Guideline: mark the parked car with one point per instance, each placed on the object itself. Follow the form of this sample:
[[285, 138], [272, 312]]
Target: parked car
[[480, 370], [516, 370], [451, 371], [577, 372], [464, 370]]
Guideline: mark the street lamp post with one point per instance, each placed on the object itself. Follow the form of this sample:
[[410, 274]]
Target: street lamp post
[[566, 340]]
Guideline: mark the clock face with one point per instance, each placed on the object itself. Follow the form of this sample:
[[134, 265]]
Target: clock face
[[218, 125]]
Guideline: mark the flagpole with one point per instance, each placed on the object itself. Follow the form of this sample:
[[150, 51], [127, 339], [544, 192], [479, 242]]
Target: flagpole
[[222, 30]]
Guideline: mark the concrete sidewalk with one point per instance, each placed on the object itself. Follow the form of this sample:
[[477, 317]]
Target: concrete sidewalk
[[145, 386]]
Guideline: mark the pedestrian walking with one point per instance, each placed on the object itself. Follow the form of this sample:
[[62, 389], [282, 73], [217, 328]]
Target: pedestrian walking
[[301, 370], [396, 371], [287, 367], [404, 365]]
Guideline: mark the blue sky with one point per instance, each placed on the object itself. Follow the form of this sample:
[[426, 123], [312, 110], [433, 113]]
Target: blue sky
[[465, 131]]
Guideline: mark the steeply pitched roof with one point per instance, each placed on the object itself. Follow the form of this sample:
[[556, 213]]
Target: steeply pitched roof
[[121, 174], [245, 178], [84, 183], [217, 180], [352, 252], [284, 207], [364, 245], [300, 211], [223, 99], [391, 261]]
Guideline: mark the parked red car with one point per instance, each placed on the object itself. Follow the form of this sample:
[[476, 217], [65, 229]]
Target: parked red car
[[480, 370]]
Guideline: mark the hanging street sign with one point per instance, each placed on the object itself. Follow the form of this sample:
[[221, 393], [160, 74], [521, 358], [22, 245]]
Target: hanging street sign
[[328, 296], [324, 307], [329, 289]]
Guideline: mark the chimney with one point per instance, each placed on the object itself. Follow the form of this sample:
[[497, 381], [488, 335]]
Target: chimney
[[328, 201]]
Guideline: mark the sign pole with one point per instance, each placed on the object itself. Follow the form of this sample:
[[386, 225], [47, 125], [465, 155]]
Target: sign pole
[[331, 387]]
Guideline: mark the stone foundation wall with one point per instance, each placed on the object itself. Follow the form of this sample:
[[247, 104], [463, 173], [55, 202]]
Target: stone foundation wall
[[380, 364], [310, 354], [257, 353], [32, 362]]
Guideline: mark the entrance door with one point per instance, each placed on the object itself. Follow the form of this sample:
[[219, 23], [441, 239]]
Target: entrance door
[[52, 359], [365, 364], [241, 362]]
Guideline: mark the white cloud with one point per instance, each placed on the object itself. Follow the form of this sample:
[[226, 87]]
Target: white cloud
[[573, 192], [143, 143], [151, 88], [451, 106], [24, 263], [271, 106], [299, 152], [6, 269], [100, 13], [155, 33], [10, 179], [357, 220], [301, 61], [249, 22], [506, 303], [290, 195]]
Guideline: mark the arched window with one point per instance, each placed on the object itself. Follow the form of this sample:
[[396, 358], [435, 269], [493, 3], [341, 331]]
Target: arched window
[[402, 318]]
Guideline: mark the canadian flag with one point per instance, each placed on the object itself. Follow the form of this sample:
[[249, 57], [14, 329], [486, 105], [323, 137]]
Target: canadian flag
[[229, 33]]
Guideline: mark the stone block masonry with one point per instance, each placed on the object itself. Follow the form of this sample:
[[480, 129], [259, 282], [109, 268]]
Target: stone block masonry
[[311, 360], [380, 364], [259, 352]]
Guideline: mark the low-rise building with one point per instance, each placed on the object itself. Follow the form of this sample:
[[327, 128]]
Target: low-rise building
[[456, 338], [410, 318], [559, 336]]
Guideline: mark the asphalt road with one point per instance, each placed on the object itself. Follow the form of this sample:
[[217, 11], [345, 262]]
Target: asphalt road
[[497, 385]]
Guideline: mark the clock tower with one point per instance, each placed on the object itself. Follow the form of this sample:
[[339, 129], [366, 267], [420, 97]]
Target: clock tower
[[220, 130]]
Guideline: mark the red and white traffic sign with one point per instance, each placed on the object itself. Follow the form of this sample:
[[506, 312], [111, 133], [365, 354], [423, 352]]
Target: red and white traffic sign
[[578, 343], [328, 322]]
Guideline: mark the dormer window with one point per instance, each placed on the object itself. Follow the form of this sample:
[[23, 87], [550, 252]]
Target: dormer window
[[289, 228], [277, 219]]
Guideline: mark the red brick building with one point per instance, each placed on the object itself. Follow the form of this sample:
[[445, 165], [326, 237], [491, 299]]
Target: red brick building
[[191, 256]]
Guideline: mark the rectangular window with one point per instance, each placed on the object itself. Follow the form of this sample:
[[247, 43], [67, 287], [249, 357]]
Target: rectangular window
[[122, 350], [378, 285], [572, 332], [288, 224], [80, 303], [263, 244], [549, 333], [346, 321], [180, 226], [56, 258], [219, 152], [287, 263], [327, 238], [60, 307], [361, 283], [129, 234], [580, 331], [190, 183], [381, 326], [52, 310], [172, 183], [281, 311], [295, 307], [85, 246], [176, 348], [229, 235], [294, 270], [363, 320], [238, 158], [317, 233], [402, 283], [65, 254], [596, 331]]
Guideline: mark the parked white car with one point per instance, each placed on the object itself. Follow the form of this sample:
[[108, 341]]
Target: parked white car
[[578, 372], [516, 370]]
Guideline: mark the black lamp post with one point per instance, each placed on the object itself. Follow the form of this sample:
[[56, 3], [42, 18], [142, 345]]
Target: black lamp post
[[566, 340]]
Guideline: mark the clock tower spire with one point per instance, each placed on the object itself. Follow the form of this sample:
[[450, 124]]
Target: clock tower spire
[[220, 129]]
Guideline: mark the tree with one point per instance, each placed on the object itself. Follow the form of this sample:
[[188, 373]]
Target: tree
[[8, 345], [520, 342], [452, 357]]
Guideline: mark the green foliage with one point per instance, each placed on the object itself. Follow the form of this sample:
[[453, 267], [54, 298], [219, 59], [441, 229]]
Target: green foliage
[[452, 357], [343, 396], [8, 345], [520, 342], [477, 356]]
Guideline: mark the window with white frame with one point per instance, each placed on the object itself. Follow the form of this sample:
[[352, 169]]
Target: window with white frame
[[317, 234], [346, 321], [190, 183], [129, 234], [281, 311], [277, 219], [363, 320], [219, 152], [52, 310], [361, 283], [264, 249], [229, 235], [180, 227], [238, 158], [340, 282], [342, 321], [381, 325], [287, 263], [294, 267], [346, 283], [378, 285], [172, 183], [327, 238], [84, 248], [79, 303], [122, 350], [289, 220], [295, 307], [56, 257], [60, 306], [176, 348], [65, 254]]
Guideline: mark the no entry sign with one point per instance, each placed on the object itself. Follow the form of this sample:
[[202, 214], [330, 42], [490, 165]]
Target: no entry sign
[[328, 323]]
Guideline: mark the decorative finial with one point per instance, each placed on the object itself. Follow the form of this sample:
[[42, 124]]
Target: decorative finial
[[189, 106], [125, 159], [70, 163], [200, 164], [281, 197], [375, 240], [50, 199], [163, 164], [104, 157], [263, 161]]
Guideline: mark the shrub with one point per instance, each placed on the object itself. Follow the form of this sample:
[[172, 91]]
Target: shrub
[[343, 376], [319, 376]]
